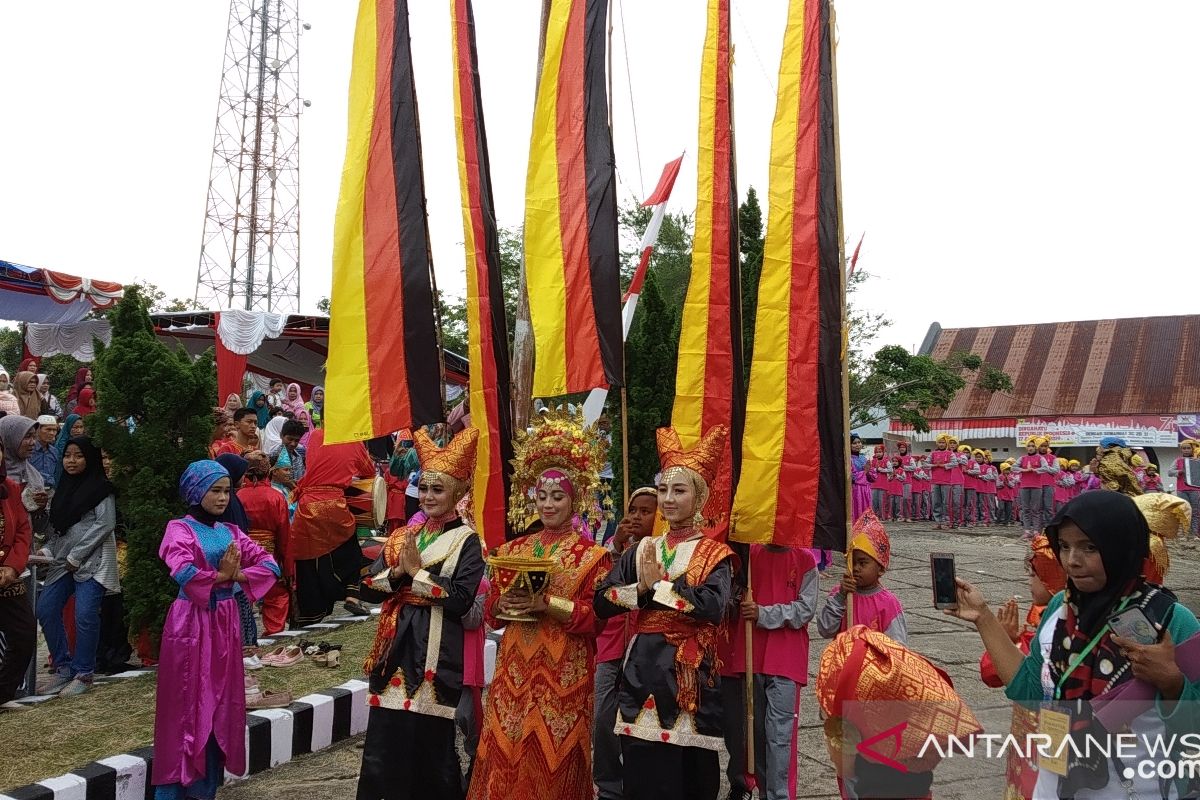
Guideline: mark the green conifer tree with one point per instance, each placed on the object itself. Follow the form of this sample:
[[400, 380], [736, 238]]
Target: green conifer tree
[[153, 419]]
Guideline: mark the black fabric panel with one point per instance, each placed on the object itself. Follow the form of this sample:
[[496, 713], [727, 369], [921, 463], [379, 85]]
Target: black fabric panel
[[603, 252], [420, 339], [302, 728], [830, 528], [258, 757], [495, 287]]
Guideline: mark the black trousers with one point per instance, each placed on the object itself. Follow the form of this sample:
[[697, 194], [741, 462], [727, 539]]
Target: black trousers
[[18, 640], [657, 771], [407, 756], [325, 581]]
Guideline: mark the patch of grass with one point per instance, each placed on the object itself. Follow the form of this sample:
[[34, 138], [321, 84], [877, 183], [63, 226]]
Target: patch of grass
[[60, 735]]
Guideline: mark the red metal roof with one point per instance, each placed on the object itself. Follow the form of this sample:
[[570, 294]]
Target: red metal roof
[[1145, 365]]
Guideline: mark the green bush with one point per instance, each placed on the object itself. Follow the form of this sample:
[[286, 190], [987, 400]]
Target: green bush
[[153, 418]]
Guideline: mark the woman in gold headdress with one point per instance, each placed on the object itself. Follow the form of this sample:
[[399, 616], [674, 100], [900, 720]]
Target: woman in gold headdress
[[426, 577], [669, 706], [537, 728]]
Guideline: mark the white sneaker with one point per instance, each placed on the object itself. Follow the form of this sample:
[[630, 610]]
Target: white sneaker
[[252, 662]]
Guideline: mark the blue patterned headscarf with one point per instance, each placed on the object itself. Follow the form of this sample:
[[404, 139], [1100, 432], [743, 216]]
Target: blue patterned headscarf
[[1112, 441], [198, 478]]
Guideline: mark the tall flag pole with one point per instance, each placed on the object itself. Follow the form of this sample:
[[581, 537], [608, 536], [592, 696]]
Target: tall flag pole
[[709, 388], [593, 406], [383, 372], [571, 262], [792, 489], [487, 334]]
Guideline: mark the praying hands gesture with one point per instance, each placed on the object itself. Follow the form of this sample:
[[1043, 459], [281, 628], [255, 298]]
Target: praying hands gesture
[[1006, 615], [648, 570], [230, 568], [410, 559]]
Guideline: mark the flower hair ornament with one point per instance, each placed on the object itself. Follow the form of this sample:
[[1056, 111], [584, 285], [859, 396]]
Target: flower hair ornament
[[560, 450], [698, 465]]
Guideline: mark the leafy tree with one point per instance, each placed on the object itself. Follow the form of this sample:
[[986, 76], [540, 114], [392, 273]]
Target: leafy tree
[[454, 307], [323, 305], [157, 302], [650, 374], [672, 256], [905, 387], [750, 227], [152, 435]]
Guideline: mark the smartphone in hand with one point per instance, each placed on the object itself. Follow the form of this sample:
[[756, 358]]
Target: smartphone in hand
[[1134, 625], [945, 587]]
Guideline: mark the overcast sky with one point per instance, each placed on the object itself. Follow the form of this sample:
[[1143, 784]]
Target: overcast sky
[[1008, 163]]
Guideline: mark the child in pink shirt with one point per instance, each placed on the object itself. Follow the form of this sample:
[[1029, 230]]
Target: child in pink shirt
[[895, 488], [874, 606], [941, 462]]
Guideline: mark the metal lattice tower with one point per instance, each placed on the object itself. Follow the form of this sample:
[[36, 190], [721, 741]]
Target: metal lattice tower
[[250, 253]]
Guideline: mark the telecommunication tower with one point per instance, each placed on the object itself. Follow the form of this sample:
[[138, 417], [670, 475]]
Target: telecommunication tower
[[250, 253]]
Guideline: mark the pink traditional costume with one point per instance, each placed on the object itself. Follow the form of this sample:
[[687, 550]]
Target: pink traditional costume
[[200, 708], [941, 462], [876, 608], [879, 472], [860, 497]]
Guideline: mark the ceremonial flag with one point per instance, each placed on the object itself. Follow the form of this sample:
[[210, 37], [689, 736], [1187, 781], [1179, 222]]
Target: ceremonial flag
[[593, 406], [709, 387], [383, 371], [487, 334], [792, 489], [571, 265]]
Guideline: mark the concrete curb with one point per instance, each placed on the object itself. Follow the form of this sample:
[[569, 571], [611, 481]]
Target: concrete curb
[[274, 736]]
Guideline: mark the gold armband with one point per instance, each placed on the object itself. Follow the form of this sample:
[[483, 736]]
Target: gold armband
[[560, 608]]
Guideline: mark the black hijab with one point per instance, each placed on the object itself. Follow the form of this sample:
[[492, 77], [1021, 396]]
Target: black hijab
[[76, 495], [1118, 529], [234, 514]]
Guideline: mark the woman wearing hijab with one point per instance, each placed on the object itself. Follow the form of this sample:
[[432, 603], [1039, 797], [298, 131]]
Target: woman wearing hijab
[[293, 402], [18, 630], [84, 515], [83, 377], [87, 402], [258, 401], [1101, 540], [324, 544], [272, 438], [200, 711], [233, 402], [8, 400], [66, 433], [43, 387], [235, 515], [18, 435], [316, 407], [30, 402]]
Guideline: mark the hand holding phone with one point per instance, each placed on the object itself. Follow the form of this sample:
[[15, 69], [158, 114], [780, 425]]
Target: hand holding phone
[[1134, 625], [945, 587]]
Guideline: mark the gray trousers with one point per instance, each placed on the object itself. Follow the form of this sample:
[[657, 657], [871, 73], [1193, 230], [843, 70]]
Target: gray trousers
[[1047, 506], [1031, 510], [878, 498], [606, 747], [776, 715], [941, 496], [1193, 498]]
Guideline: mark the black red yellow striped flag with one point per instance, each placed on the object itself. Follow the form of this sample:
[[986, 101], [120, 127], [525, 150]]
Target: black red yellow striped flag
[[487, 334], [792, 488], [383, 370], [571, 258], [709, 388]]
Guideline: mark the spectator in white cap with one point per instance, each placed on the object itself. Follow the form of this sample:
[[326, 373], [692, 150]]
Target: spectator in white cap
[[45, 455]]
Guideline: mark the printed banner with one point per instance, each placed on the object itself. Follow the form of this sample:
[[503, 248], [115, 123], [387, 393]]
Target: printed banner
[[1139, 431]]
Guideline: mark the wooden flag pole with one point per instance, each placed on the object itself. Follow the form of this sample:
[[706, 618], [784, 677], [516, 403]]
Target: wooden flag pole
[[837, 161], [748, 682]]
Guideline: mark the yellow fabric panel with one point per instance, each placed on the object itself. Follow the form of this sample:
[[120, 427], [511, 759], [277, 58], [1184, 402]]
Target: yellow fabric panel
[[544, 274], [347, 379], [755, 503], [688, 412]]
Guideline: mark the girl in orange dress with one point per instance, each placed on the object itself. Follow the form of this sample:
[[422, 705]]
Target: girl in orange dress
[[537, 728]]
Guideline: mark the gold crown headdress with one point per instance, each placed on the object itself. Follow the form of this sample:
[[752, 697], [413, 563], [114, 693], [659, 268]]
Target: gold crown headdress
[[455, 461], [702, 461], [558, 440]]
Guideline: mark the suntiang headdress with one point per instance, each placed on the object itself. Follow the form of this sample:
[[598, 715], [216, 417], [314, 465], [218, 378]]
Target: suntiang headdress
[[453, 464], [558, 444], [699, 465]]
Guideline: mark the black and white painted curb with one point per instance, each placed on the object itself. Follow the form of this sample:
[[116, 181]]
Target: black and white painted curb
[[274, 736]]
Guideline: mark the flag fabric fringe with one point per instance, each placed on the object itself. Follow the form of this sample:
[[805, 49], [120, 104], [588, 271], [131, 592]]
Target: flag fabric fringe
[[571, 256], [383, 370], [487, 334], [792, 489], [709, 389]]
